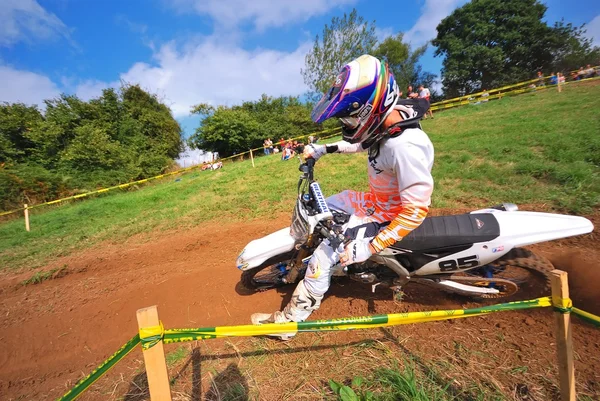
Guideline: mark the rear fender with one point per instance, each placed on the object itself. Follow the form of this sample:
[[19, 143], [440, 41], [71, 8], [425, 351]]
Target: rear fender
[[526, 228], [259, 250]]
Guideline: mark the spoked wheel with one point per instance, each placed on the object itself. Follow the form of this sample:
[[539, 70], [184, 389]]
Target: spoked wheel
[[519, 271], [268, 275]]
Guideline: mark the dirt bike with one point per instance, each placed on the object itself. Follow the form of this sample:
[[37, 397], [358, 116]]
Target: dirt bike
[[477, 254]]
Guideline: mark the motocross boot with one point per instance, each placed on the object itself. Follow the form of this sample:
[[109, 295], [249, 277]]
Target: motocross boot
[[298, 309]]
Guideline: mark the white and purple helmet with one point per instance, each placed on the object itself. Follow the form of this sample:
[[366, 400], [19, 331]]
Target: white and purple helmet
[[363, 95]]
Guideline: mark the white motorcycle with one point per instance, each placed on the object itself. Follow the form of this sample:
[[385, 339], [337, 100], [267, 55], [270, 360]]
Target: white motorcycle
[[476, 254]]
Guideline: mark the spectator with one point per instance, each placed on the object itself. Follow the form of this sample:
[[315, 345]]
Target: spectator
[[410, 94], [553, 79], [270, 145], [589, 72], [540, 78], [281, 144], [286, 153], [580, 73], [425, 94], [266, 147], [561, 80], [484, 95], [311, 139]]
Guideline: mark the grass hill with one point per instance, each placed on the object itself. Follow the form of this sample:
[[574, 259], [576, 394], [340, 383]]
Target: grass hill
[[540, 149]]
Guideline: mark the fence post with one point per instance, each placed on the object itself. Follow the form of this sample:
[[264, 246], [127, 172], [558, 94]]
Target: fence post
[[26, 216], [564, 341], [252, 157], [154, 358]]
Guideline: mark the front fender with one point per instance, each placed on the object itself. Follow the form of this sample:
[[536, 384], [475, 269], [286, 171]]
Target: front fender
[[259, 250]]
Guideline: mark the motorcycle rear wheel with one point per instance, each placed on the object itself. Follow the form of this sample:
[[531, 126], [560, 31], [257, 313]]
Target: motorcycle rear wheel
[[525, 269], [266, 276]]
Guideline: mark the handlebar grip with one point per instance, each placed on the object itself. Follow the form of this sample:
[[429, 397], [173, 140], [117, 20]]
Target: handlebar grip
[[310, 163]]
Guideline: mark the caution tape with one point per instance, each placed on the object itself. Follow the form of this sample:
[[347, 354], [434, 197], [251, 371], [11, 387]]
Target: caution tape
[[150, 336], [104, 367], [586, 316], [145, 180]]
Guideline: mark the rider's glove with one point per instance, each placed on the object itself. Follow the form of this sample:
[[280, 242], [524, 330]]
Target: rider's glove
[[314, 151], [356, 251]]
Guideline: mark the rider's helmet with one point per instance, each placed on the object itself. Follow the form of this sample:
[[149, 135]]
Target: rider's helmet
[[363, 95]]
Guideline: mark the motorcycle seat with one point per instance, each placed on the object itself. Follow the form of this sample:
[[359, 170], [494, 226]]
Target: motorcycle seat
[[449, 231]]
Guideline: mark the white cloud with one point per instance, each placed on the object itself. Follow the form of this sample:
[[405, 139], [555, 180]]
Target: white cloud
[[92, 88], [26, 20], [25, 86], [210, 72], [434, 11], [593, 30], [262, 13], [383, 33]]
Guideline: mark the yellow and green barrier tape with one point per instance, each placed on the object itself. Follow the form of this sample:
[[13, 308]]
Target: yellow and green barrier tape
[[150, 336], [587, 317], [352, 323], [104, 367]]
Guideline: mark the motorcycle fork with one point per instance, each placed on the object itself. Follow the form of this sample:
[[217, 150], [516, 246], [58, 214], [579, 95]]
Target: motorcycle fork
[[296, 263]]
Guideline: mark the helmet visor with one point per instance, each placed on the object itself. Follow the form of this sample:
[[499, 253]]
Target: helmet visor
[[329, 105]]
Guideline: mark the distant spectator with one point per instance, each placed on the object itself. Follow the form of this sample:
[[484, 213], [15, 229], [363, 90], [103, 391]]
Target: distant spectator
[[311, 139], [560, 80], [425, 94], [589, 71], [281, 144], [270, 145], [410, 94], [574, 76], [286, 153], [580, 73], [540, 78], [485, 95], [553, 79], [267, 147]]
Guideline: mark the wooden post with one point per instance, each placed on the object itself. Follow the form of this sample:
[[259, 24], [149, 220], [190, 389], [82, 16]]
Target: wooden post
[[26, 216], [154, 358], [564, 341], [252, 158]]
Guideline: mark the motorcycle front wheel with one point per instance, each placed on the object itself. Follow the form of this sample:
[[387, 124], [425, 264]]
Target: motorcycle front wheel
[[268, 275]]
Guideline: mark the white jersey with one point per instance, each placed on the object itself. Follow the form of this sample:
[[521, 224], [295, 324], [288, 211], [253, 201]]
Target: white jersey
[[400, 184]]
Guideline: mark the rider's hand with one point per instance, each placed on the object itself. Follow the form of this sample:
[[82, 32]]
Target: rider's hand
[[314, 151], [356, 251]]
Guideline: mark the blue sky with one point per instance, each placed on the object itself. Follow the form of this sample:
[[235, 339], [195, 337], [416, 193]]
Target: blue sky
[[192, 51]]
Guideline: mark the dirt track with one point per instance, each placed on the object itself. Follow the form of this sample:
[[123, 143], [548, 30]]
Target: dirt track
[[58, 330]]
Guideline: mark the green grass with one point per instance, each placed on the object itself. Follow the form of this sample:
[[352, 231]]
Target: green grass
[[540, 149], [40, 277]]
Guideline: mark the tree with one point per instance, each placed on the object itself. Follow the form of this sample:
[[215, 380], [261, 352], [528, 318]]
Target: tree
[[344, 40], [489, 43], [231, 130], [571, 49], [403, 62], [75, 146], [16, 120]]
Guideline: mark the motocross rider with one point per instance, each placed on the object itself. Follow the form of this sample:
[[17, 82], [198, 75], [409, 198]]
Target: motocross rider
[[366, 99]]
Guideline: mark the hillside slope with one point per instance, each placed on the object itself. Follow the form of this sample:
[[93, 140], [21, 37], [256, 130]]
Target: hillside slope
[[540, 149]]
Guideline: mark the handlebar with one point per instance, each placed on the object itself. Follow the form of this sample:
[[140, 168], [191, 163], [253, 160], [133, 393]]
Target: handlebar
[[310, 163]]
